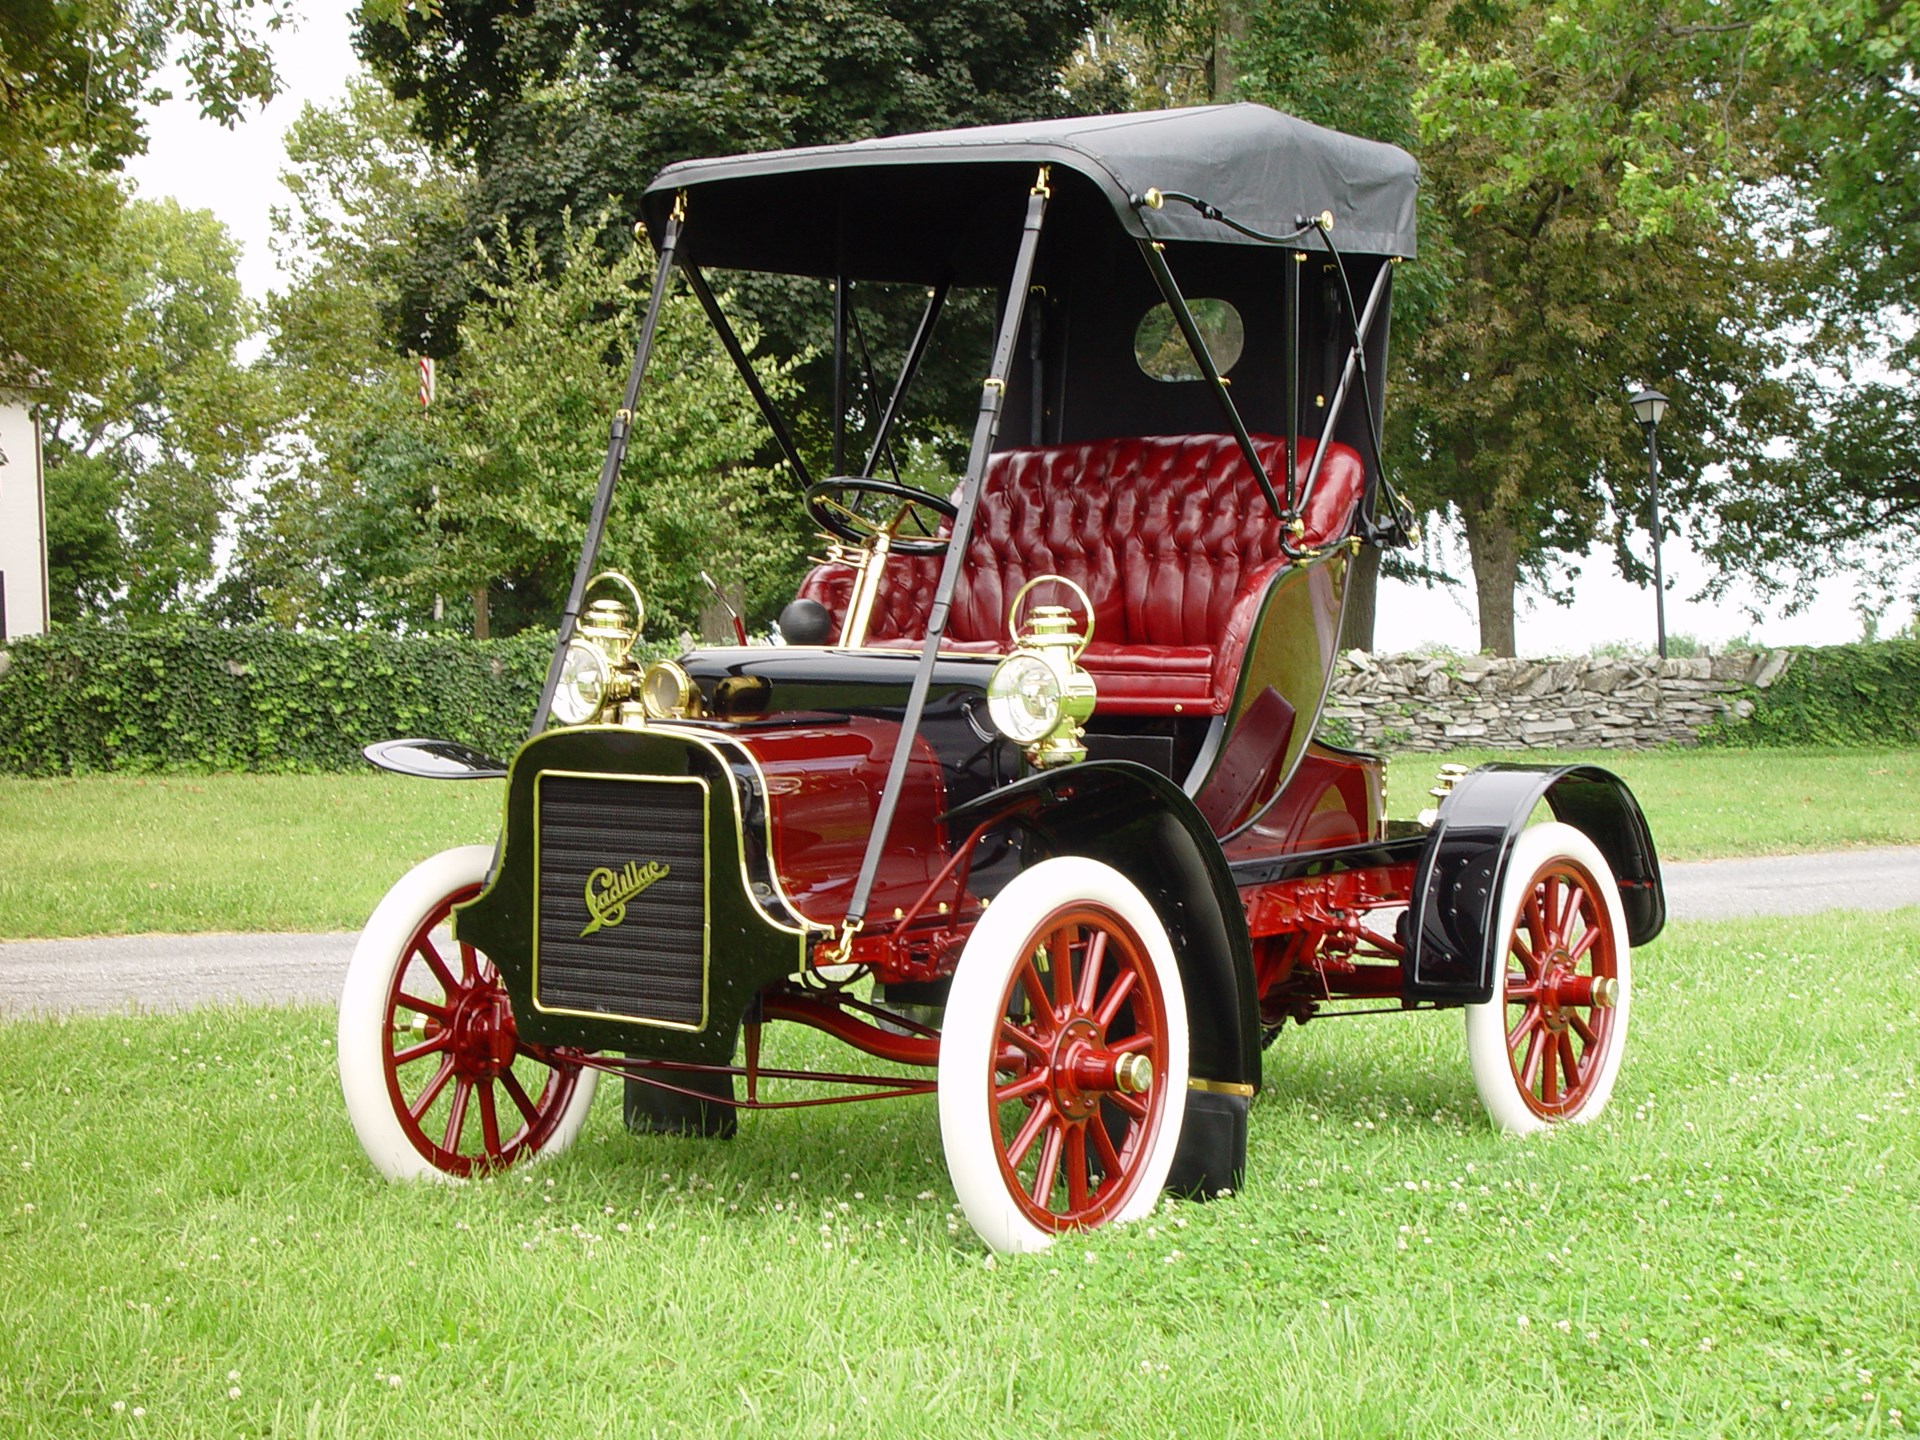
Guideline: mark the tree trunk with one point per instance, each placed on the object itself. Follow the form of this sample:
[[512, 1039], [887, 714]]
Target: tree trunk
[[1230, 28], [1495, 548], [716, 622], [481, 628], [1363, 597]]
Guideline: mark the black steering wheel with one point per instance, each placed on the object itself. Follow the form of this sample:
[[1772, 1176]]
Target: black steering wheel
[[856, 508]]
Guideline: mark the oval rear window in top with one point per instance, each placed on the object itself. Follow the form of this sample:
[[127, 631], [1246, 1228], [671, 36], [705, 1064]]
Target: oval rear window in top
[[1162, 350]]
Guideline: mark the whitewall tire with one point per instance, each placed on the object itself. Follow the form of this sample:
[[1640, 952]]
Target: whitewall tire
[[437, 1082], [1063, 1062], [1546, 1047]]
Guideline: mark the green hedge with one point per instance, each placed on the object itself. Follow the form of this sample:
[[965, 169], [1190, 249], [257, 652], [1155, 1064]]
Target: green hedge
[[197, 697], [1866, 694]]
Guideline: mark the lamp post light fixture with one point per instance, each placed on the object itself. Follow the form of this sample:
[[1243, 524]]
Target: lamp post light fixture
[[1649, 406]]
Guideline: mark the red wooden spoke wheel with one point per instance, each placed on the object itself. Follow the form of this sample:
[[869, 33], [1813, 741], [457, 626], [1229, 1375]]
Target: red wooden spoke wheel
[[1063, 1064], [1546, 1047], [436, 1078]]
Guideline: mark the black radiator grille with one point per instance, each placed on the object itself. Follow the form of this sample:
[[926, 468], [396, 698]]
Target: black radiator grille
[[645, 956]]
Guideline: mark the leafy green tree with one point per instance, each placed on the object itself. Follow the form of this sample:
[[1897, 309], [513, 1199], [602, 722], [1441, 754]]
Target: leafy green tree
[[341, 515], [73, 76], [165, 438], [575, 104], [1849, 134], [1594, 166], [1852, 134], [86, 553], [1593, 218], [378, 514], [520, 426]]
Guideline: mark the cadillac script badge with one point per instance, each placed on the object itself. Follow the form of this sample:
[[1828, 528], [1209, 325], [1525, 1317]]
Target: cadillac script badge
[[608, 892]]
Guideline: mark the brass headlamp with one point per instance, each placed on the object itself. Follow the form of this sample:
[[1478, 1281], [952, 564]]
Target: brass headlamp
[[1039, 697], [593, 675]]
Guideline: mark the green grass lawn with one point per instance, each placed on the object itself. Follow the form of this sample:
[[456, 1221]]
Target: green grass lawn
[[106, 855], [194, 1246], [1704, 804]]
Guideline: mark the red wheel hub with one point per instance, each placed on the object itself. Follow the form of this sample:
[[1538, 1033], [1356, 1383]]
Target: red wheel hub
[[482, 1035]]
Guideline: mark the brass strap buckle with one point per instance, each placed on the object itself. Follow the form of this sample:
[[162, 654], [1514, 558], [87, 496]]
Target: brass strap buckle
[[838, 952]]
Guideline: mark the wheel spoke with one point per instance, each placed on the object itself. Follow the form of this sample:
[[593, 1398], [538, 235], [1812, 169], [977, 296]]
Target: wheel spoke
[[1015, 1035], [1090, 973], [1043, 1012], [1519, 950], [1572, 909], [457, 1114], [422, 1007], [511, 1084], [1103, 1147], [1569, 1065], [1530, 1067], [1133, 1044], [1077, 1192], [1549, 1079], [1580, 947], [1528, 1022], [1060, 957], [449, 986], [1049, 1168], [1116, 996], [1536, 922], [430, 1046], [1552, 909], [489, 1120], [432, 1091], [1031, 1083], [1582, 1029], [1028, 1133], [1134, 1105]]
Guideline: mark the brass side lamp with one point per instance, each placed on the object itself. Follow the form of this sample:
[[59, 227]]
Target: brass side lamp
[[1039, 696]]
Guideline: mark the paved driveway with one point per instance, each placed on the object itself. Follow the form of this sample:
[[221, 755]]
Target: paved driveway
[[164, 972]]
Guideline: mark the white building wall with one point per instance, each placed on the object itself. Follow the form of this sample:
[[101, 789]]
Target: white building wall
[[23, 520]]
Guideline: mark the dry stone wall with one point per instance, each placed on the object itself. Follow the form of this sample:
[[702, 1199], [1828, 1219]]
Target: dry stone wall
[[1451, 702]]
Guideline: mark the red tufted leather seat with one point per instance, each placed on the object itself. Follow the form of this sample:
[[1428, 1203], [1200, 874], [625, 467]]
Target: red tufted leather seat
[[1169, 535]]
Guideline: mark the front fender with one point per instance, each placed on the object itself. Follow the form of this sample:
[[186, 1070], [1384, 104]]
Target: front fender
[[1141, 823], [1453, 950]]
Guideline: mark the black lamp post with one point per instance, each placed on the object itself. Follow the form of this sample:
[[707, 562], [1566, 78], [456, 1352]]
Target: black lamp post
[[1648, 408]]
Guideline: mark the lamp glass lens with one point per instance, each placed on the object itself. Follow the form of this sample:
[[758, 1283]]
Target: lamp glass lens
[[583, 684], [1023, 698], [663, 690]]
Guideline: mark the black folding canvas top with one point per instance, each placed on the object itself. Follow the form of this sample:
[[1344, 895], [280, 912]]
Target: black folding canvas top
[[936, 206]]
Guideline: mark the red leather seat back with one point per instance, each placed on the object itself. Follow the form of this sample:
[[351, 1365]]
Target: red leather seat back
[[1168, 534]]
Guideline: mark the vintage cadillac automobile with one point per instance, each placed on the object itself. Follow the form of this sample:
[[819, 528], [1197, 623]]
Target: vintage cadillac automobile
[[1029, 806]]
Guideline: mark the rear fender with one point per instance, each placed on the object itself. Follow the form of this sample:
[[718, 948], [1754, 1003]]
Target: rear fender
[[1454, 952]]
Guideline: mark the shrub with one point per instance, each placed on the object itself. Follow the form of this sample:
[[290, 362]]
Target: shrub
[[1866, 694], [197, 697]]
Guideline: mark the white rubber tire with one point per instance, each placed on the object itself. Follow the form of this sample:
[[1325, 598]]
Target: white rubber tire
[[365, 1018], [969, 1124], [1510, 1105]]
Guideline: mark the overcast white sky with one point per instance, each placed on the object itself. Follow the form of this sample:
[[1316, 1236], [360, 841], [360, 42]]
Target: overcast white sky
[[235, 174]]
